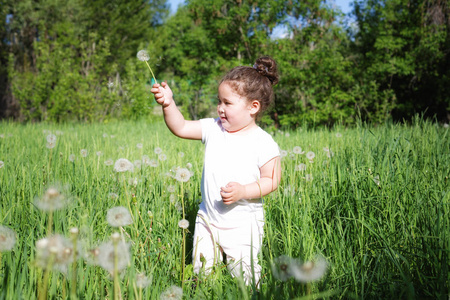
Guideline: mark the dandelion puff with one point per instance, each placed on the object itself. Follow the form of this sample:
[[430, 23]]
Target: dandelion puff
[[189, 165], [309, 177], [118, 216], [106, 256], [283, 153], [184, 224], [59, 249], [171, 189], [181, 154], [83, 152], [298, 150], [137, 163], [139, 145], [284, 267], [172, 293], [123, 165], [300, 167], [113, 196], [142, 281], [153, 163], [109, 162], [182, 175], [7, 238], [312, 270], [52, 200], [172, 198], [51, 145], [99, 153], [338, 134], [72, 157], [158, 150], [145, 159], [162, 157], [142, 55], [310, 155], [51, 138]]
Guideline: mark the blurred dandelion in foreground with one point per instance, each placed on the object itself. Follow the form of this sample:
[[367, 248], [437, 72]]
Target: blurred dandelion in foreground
[[119, 216], [172, 293], [142, 55], [7, 238], [53, 199], [55, 252], [105, 256], [123, 165], [142, 281], [182, 175], [312, 270], [285, 267], [184, 224]]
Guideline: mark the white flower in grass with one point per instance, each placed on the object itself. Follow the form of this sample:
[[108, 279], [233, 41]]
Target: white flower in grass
[[142, 55], [298, 150], [312, 270], [123, 165], [83, 152], [284, 267], [182, 175], [56, 251], [162, 157], [118, 216], [137, 163], [300, 167], [139, 145], [145, 159], [189, 165], [99, 153], [51, 138], [51, 145], [2, 164], [142, 281], [7, 238], [309, 177], [72, 157], [338, 134], [171, 189], [158, 150], [153, 163], [109, 162], [283, 153], [181, 154], [106, 256], [376, 179], [310, 155], [184, 224], [292, 156], [105, 135], [172, 198], [53, 199], [133, 181], [172, 293]]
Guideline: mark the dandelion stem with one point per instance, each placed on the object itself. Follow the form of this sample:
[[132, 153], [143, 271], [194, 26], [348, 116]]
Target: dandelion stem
[[151, 72]]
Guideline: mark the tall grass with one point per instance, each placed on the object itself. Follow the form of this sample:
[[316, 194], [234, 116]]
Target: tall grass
[[375, 205]]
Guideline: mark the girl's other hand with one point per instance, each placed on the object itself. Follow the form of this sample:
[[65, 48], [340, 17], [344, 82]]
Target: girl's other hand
[[163, 94], [232, 192]]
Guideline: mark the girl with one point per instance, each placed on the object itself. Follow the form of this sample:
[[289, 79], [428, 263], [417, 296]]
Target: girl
[[241, 165]]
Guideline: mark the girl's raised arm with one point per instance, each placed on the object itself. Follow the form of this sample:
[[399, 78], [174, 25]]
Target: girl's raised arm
[[172, 116]]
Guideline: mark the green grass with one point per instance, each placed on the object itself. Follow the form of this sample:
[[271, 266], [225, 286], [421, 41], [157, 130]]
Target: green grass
[[377, 210]]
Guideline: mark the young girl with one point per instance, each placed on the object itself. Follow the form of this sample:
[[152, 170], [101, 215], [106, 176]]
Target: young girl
[[241, 165]]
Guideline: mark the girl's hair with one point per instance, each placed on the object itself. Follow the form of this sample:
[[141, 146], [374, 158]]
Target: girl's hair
[[254, 83]]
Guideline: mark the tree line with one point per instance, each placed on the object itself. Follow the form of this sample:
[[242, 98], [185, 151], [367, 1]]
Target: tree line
[[76, 59]]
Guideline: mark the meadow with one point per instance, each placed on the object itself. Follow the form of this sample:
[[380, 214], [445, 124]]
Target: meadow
[[372, 201]]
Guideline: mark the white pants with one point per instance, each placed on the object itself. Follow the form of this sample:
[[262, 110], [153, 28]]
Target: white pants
[[240, 244]]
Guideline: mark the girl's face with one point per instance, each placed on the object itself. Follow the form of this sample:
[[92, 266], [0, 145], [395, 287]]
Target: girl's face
[[235, 112]]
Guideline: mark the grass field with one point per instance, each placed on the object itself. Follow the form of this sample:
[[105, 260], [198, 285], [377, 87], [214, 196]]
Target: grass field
[[373, 201]]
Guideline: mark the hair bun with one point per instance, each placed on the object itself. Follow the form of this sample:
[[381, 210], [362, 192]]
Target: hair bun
[[267, 67]]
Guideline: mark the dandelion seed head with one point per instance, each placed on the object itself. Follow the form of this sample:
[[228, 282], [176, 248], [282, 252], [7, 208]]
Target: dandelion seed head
[[171, 189], [137, 163], [72, 157], [139, 145], [312, 270], [284, 267], [309, 177], [51, 138], [51, 145], [7, 238], [182, 175], [338, 134], [83, 152], [142, 281], [310, 155], [118, 216], [123, 165], [142, 55], [162, 157], [184, 224], [106, 256], [181, 154], [189, 165], [59, 249], [300, 167], [158, 150], [105, 135], [99, 153], [52, 200], [283, 153], [172, 293], [297, 150], [109, 162], [153, 163]]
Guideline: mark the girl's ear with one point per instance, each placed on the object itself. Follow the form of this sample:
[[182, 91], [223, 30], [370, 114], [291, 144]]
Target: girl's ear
[[255, 106]]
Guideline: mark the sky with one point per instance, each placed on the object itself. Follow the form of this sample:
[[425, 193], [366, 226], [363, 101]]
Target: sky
[[344, 5]]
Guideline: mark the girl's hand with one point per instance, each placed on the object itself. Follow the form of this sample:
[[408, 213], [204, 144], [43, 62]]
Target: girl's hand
[[163, 94], [232, 192]]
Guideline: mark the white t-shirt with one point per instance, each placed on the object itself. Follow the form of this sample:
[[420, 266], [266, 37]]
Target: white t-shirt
[[232, 158]]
